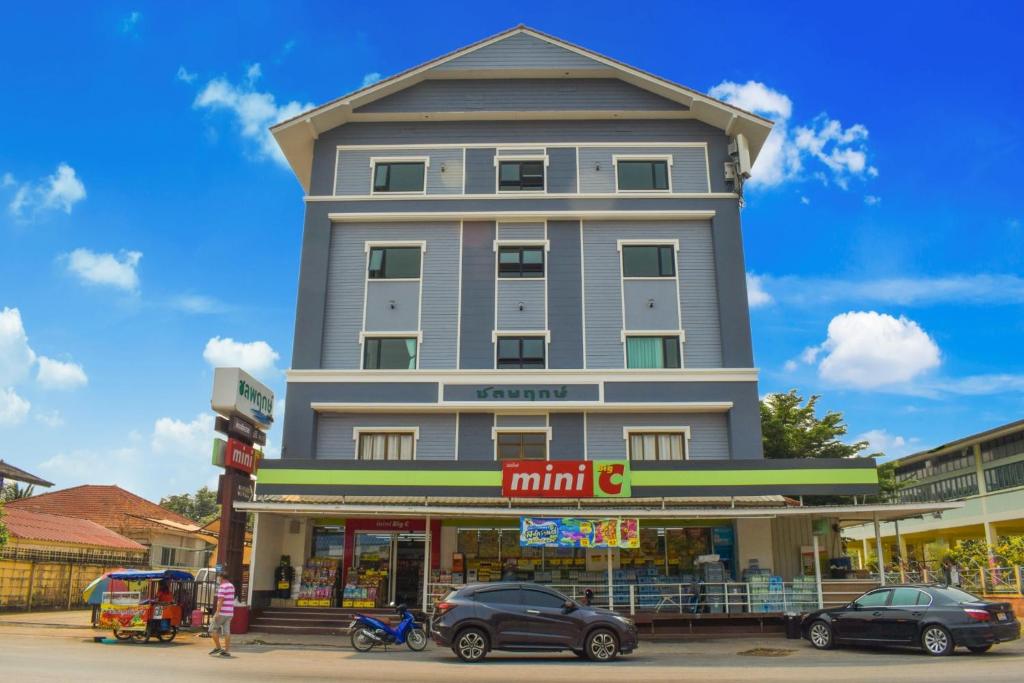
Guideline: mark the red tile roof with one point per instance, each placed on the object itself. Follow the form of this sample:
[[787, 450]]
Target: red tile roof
[[37, 526], [108, 506]]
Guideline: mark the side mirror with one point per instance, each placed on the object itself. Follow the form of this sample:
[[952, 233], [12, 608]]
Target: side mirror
[[853, 605], [569, 605]]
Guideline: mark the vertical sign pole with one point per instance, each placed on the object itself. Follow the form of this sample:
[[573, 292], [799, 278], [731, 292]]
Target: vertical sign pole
[[611, 597], [426, 566]]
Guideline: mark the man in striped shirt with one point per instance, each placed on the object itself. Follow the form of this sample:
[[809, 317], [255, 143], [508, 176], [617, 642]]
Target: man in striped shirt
[[220, 625]]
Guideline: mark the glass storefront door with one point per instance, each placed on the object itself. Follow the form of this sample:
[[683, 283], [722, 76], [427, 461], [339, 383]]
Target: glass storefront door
[[408, 580], [371, 568]]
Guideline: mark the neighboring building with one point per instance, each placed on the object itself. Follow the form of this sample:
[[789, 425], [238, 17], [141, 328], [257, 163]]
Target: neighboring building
[[49, 559], [525, 251], [173, 541], [210, 532], [985, 471]]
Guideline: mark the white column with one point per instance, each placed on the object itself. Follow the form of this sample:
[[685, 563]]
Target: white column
[[817, 571], [611, 598], [252, 558], [865, 548], [878, 549], [426, 565]]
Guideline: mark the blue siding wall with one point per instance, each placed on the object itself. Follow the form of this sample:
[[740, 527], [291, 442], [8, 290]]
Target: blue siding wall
[[565, 279], [521, 231], [476, 347], [520, 51], [697, 290], [709, 433], [343, 314], [335, 431], [521, 94], [353, 171], [640, 294], [567, 436], [404, 296], [475, 436], [480, 172], [561, 170], [521, 420], [513, 292]]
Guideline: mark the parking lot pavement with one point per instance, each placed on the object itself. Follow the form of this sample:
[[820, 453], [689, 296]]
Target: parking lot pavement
[[41, 654]]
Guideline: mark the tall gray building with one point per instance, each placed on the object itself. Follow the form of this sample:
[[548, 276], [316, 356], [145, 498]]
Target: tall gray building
[[522, 290]]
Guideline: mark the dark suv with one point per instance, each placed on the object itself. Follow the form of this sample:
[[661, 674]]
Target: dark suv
[[526, 617]]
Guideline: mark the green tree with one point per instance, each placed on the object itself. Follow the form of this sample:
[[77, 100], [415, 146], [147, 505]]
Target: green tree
[[12, 491], [201, 507], [791, 428], [3, 529]]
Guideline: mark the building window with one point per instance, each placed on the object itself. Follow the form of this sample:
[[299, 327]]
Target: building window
[[1002, 447], [399, 176], [652, 352], [519, 176], [522, 445], [657, 446], [642, 174], [648, 261], [389, 353], [520, 352], [1005, 477], [386, 445], [394, 263], [521, 262]]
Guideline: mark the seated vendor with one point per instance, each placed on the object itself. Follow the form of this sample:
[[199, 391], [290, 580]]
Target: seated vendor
[[163, 593]]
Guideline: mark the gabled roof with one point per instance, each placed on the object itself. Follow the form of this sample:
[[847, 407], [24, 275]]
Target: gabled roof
[[108, 506], [525, 53], [38, 526]]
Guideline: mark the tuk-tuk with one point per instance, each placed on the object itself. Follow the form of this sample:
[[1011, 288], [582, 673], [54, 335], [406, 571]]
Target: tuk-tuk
[[153, 612]]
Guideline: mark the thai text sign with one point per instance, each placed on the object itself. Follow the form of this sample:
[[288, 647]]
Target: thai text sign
[[236, 392], [523, 393], [565, 479], [571, 532]]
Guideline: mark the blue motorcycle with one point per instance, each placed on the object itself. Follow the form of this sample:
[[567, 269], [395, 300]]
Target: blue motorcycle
[[368, 632]]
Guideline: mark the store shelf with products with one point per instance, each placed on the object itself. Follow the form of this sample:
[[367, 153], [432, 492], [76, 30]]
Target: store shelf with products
[[319, 584]]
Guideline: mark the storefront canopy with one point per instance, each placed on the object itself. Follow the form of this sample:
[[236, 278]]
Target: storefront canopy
[[666, 508], [12, 473]]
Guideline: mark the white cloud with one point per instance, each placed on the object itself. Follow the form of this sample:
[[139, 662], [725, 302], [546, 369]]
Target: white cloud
[[805, 201], [978, 385], [55, 374], [253, 357], [51, 419], [16, 356], [809, 355], [186, 76], [197, 303], [13, 408], [60, 191], [183, 438], [867, 350], [106, 269], [790, 366], [892, 445], [7, 180], [370, 78], [980, 289], [872, 200], [841, 151], [756, 296], [254, 111], [130, 24]]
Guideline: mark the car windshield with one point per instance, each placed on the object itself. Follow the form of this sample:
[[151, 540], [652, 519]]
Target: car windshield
[[957, 595]]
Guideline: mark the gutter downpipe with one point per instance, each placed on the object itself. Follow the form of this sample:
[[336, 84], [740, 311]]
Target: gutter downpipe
[[426, 564]]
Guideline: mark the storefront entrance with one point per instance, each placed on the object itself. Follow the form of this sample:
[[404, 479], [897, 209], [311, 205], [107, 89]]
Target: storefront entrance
[[385, 568]]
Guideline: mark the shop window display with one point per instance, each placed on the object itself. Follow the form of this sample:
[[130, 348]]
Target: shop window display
[[319, 582]]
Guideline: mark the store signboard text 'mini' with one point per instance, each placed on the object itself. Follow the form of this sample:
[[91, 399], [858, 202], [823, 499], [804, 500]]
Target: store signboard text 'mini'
[[565, 479]]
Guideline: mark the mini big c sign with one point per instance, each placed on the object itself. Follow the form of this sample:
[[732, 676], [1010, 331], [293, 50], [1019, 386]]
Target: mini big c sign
[[565, 479]]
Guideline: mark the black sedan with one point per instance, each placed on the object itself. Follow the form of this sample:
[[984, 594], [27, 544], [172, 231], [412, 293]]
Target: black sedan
[[527, 617], [935, 618]]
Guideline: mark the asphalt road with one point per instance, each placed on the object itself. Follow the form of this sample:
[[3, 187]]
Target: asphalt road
[[41, 654]]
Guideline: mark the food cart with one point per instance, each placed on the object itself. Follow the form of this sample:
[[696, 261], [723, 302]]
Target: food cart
[[152, 612]]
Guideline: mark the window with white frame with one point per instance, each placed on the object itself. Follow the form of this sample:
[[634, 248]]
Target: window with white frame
[[521, 175], [653, 443], [517, 261], [516, 353], [638, 175], [521, 445], [389, 353], [390, 445], [651, 352], [405, 175], [394, 263], [648, 260]]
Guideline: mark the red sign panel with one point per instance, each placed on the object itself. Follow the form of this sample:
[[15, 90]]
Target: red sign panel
[[239, 456], [543, 479]]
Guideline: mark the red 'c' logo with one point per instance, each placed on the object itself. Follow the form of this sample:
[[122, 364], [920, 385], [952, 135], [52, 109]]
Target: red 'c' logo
[[610, 478]]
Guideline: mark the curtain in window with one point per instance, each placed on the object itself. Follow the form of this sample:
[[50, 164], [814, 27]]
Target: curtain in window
[[670, 446], [410, 347], [399, 447], [372, 446], [644, 352]]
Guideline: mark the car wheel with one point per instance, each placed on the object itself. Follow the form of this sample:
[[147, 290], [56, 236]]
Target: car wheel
[[471, 645], [602, 646], [936, 641], [979, 649], [820, 635]]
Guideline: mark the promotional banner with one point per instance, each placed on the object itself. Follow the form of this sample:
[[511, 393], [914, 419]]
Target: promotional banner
[[572, 532]]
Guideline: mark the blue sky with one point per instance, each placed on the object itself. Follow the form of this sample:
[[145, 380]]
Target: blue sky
[[148, 230]]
